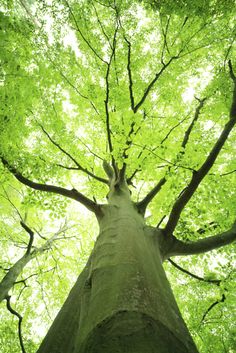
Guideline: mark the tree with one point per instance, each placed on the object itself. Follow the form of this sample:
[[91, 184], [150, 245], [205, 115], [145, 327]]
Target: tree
[[136, 101]]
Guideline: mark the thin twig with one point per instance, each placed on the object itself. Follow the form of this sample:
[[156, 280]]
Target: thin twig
[[213, 281], [79, 166], [82, 35]]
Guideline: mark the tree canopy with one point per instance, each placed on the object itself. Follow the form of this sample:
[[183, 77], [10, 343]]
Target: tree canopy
[[147, 87]]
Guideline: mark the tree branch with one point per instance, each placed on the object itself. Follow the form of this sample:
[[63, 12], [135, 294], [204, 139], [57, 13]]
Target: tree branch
[[101, 26], [31, 234], [228, 173], [151, 84], [128, 144], [196, 116], [214, 281], [142, 205], [72, 85], [203, 245], [130, 75], [106, 101], [79, 166], [72, 194], [165, 44], [223, 297], [198, 175], [15, 270], [173, 128], [20, 318], [82, 35]]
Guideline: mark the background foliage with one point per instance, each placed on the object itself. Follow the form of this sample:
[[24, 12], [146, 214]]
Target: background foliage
[[53, 83]]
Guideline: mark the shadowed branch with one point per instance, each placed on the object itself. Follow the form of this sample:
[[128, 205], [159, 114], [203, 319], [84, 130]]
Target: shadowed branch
[[31, 234], [196, 116]]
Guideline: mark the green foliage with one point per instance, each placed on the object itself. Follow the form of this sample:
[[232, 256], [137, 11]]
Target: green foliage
[[53, 86]]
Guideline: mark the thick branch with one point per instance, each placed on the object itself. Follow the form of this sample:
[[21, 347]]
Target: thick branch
[[203, 245], [72, 194], [198, 176], [31, 234], [128, 144], [14, 312], [142, 205], [196, 116]]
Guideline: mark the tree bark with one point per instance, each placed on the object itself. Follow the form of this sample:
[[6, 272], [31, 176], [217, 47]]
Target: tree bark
[[9, 279], [122, 301]]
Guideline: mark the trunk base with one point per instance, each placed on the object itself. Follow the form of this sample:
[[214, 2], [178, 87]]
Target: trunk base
[[133, 332]]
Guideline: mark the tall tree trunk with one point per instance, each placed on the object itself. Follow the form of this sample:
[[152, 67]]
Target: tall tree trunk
[[122, 301]]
